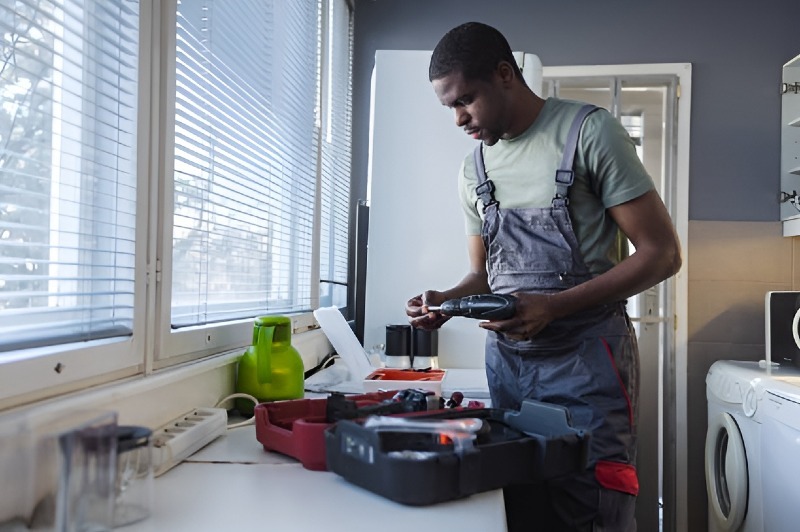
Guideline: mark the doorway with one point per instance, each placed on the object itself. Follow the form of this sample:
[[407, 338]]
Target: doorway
[[652, 103]]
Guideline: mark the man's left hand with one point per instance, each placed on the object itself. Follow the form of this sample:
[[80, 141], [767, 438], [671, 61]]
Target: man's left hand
[[532, 315]]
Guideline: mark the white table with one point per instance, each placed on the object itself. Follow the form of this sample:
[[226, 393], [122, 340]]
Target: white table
[[234, 485]]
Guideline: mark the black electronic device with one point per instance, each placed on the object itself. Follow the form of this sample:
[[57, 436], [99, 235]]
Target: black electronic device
[[782, 327]]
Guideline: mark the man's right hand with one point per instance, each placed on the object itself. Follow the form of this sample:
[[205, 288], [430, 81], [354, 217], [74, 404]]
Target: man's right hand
[[417, 310]]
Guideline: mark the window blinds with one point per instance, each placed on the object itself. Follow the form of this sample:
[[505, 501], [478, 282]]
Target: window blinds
[[246, 142], [67, 170], [336, 157]]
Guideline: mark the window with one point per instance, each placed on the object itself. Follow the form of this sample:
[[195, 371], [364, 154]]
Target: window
[[634, 125], [335, 151], [172, 189]]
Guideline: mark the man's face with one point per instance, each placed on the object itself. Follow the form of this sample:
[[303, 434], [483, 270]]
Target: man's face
[[480, 106]]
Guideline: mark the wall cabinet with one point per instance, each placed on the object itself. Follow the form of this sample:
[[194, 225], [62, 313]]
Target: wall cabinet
[[790, 148]]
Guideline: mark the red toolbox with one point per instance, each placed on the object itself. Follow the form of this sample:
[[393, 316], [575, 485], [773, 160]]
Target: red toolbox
[[296, 428]]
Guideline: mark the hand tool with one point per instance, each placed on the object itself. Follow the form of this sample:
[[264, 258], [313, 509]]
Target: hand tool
[[482, 307]]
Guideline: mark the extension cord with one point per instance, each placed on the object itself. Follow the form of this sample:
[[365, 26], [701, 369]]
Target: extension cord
[[185, 435]]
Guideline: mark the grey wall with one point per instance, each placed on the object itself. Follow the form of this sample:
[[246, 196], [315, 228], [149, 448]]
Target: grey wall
[[736, 49]]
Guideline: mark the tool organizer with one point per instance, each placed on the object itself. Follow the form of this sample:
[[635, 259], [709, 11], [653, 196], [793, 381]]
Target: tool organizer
[[522, 447]]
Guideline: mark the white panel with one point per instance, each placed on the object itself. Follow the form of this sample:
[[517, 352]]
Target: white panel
[[416, 227], [531, 71]]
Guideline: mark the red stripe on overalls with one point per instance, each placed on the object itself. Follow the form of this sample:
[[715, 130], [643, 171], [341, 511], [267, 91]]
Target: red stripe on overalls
[[617, 475]]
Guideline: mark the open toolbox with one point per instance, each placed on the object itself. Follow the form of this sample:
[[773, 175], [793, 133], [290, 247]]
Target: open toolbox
[[296, 428], [419, 464]]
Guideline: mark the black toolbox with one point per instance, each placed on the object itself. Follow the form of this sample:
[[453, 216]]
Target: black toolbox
[[425, 466]]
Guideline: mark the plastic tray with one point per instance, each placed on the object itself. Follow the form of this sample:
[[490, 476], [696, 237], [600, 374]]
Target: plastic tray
[[296, 428], [398, 379]]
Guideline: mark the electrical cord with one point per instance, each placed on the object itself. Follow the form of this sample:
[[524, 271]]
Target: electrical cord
[[330, 360], [250, 421], [327, 361]]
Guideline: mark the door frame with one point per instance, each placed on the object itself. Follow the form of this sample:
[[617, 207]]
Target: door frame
[[675, 440]]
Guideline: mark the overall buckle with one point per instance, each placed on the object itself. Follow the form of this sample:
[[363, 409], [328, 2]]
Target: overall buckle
[[485, 192], [565, 177]]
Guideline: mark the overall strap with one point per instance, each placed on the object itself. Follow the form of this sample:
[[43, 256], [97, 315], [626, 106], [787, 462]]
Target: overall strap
[[485, 188], [565, 175]]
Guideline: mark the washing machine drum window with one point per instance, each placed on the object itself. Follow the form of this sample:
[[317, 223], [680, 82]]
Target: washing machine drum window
[[726, 472]]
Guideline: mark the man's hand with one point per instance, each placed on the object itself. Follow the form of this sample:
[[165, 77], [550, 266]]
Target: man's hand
[[417, 310], [533, 314]]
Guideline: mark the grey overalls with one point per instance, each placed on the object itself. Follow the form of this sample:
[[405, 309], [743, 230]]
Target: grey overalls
[[587, 362]]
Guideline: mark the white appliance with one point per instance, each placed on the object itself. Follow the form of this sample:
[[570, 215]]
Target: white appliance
[[414, 156], [752, 455]]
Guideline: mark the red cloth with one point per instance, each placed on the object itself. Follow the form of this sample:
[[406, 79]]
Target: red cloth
[[617, 476]]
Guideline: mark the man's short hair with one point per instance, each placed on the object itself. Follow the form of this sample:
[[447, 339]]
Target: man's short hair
[[473, 49]]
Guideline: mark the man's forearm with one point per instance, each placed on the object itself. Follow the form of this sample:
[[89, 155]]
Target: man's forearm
[[632, 276]]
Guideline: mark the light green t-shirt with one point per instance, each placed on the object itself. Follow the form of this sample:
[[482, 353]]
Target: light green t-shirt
[[523, 171]]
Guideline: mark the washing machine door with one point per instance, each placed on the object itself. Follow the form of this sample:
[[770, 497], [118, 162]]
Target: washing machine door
[[726, 473]]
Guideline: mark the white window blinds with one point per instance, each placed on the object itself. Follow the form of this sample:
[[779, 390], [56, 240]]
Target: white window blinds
[[246, 146], [336, 156], [67, 170]]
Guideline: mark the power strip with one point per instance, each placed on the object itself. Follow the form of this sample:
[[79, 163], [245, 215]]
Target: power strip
[[183, 436]]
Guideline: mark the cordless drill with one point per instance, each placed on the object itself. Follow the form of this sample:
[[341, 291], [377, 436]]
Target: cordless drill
[[481, 307]]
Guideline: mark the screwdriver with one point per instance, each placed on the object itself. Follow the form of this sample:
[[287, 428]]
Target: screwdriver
[[481, 307]]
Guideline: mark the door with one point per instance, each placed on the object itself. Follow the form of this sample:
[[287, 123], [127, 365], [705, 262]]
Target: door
[[645, 105], [726, 474]]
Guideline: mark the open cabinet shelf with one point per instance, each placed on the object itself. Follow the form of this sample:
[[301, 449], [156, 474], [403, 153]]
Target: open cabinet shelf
[[790, 147]]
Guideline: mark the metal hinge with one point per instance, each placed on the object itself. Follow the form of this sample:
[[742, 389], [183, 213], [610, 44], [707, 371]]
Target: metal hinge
[[790, 87], [157, 272]]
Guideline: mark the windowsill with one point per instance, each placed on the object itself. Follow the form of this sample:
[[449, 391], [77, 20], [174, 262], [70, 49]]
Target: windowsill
[[155, 399]]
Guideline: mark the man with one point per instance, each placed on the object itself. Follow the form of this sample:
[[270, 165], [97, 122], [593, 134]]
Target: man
[[548, 235]]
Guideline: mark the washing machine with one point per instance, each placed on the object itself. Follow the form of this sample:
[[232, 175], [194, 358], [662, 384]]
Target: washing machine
[[780, 451], [752, 452], [732, 454]]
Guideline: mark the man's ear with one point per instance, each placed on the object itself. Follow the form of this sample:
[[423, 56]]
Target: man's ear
[[505, 72]]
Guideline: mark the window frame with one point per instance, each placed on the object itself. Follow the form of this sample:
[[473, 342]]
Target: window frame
[[38, 373], [175, 346]]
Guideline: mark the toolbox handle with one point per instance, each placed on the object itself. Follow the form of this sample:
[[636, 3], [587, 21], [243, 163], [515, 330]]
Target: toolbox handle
[[544, 419]]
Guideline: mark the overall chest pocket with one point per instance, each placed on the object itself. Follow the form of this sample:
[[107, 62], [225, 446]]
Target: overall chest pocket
[[531, 241]]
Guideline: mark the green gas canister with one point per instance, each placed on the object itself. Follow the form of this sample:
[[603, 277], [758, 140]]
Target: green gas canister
[[270, 369]]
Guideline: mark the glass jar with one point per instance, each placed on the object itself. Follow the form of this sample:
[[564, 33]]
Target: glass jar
[[134, 484]]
